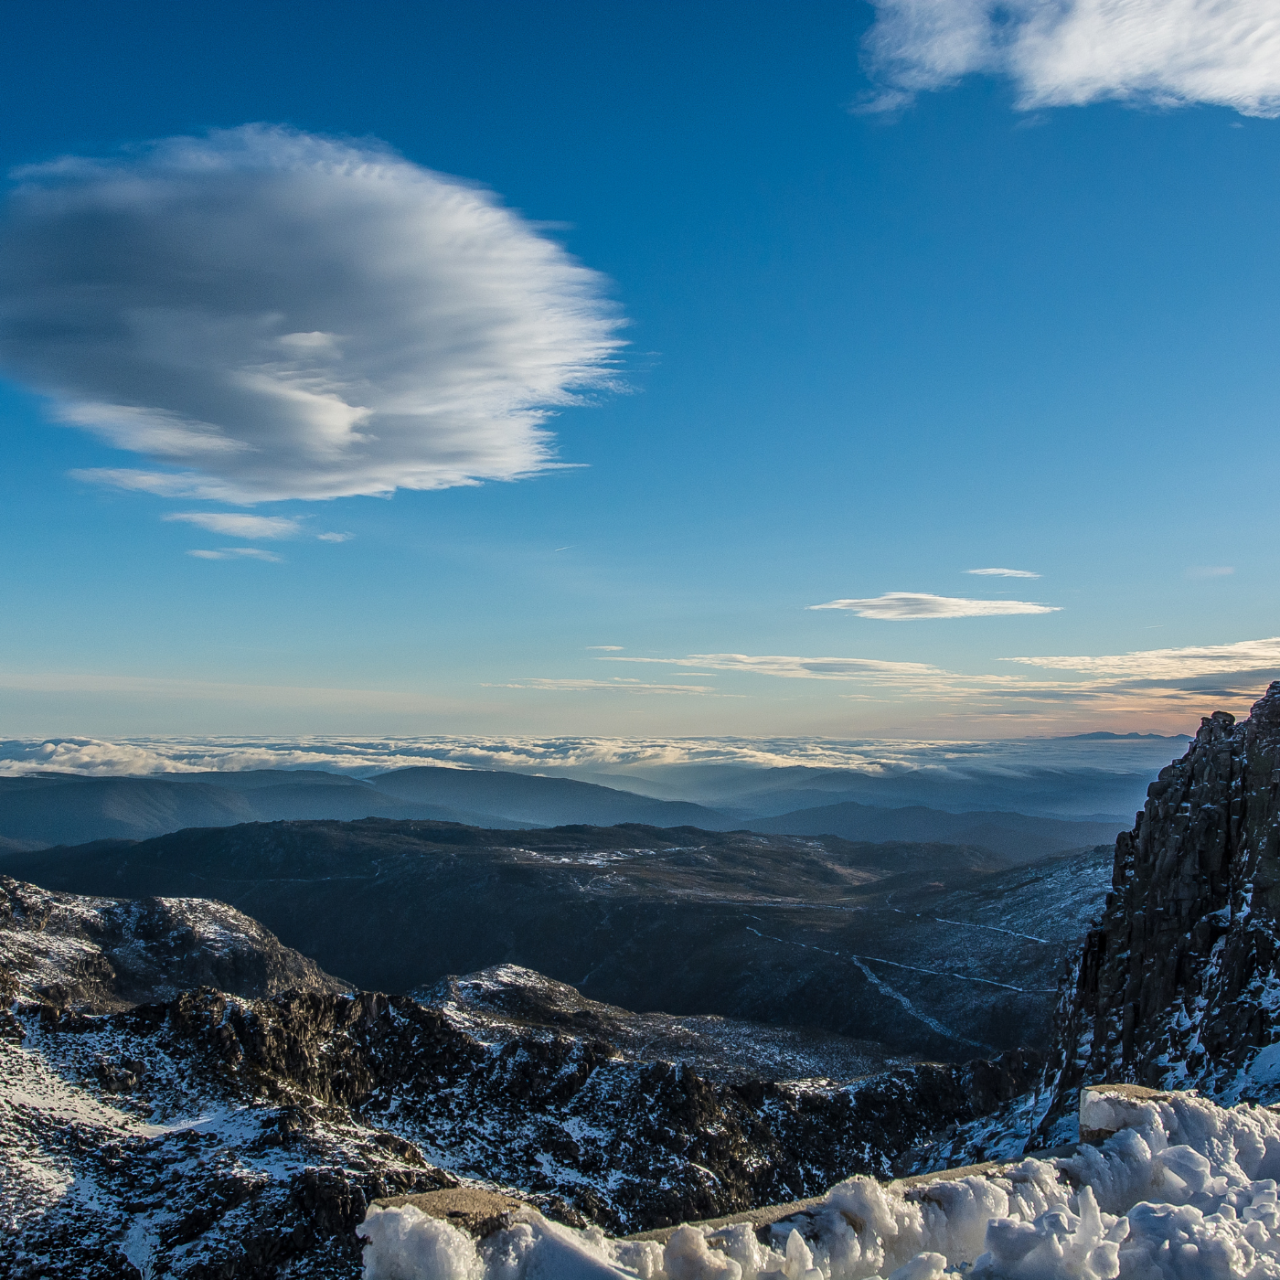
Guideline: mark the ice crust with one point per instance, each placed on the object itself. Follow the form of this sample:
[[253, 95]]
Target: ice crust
[[1181, 1190]]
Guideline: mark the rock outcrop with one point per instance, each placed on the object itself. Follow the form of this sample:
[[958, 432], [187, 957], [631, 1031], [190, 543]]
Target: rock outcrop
[[1179, 984], [98, 955]]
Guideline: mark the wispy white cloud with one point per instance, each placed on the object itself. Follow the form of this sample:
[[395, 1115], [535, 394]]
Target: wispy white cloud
[[605, 648], [1003, 573], [1210, 571], [1172, 664], [236, 553], [335, 537], [619, 684], [271, 315], [897, 606], [1159, 682], [1072, 52], [234, 525], [802, 668]]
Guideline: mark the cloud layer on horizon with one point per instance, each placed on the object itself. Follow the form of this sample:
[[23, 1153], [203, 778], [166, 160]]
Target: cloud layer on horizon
[[270, 314], [900, 606], [1072, 52], [366, 755]]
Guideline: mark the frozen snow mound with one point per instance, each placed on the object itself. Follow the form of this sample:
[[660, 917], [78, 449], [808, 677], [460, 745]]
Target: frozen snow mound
[[1177, 1188]]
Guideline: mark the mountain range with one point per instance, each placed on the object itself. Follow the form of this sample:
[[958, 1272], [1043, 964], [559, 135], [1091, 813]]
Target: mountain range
[[45, 809], [243, 1133]]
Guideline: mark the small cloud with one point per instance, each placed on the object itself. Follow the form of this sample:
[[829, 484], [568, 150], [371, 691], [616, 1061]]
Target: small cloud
[[1210, 571], [166, 484], [238, 526], [617, 685], [900, 605], [237, 553], [1003, 573], [605, 648], [334, 537], [788, 666]]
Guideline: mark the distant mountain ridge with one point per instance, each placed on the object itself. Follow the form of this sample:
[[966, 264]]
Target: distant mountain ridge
[[538, 800], [46, 809], [1014, 835]]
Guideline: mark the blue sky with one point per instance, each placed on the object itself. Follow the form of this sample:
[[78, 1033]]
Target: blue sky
[[893, 311]]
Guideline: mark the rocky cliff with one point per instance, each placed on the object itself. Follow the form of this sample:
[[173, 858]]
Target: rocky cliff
[[1179, 984]]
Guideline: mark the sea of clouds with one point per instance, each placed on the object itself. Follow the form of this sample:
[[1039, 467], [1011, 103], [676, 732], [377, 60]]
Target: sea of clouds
[[364, 756]]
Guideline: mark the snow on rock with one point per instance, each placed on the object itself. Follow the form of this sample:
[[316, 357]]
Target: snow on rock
[[100, 955], [1182, 1189]]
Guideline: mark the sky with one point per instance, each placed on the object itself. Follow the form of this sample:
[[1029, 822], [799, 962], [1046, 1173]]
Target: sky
[[846, 370]]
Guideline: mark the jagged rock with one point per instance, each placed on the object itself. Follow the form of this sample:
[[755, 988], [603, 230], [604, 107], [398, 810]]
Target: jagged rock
[[1179, 985]]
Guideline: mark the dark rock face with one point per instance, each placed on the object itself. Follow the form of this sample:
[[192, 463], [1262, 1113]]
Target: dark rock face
[[1180, 985], [102, 954]]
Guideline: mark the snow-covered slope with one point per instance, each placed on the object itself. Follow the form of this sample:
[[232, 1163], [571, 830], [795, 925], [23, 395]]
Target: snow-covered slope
[[506, 1002], [232, 1137]]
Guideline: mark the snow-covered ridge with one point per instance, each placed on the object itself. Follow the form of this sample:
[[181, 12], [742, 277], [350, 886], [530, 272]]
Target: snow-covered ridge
[[1181, 1189], [100, 954]]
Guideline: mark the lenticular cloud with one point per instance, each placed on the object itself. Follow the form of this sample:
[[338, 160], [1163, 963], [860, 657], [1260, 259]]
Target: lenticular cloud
[[268, 314]]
